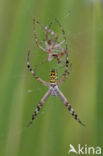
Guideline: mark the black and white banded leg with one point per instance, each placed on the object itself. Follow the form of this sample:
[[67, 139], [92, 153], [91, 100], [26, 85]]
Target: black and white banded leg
[[65, 101], [34, 73], [39, 106]]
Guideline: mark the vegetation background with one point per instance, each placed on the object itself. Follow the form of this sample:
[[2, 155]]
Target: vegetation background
[[54, 128]]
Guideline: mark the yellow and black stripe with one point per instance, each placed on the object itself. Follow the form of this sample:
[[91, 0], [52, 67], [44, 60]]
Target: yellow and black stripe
[[53, 76]]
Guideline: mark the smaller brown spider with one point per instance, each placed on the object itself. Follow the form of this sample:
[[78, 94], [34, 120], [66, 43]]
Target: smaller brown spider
[[52, 48]]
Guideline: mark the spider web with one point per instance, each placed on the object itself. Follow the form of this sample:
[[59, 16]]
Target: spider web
[[57, 67]]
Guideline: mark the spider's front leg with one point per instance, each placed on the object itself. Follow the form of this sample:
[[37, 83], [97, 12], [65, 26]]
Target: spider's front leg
[[41, 103], [46, 28], [63, 32], [47, 33], [36, 40], [51, 32], [34, 73], [47, 36]]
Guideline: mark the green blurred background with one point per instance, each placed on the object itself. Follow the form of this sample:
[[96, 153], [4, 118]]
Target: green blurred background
[[54, 128]]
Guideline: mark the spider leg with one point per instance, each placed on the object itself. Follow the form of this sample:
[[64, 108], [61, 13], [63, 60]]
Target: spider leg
[[59, 49], [47, 37], [65, 101], [67, 69], [34, 73], [59, 44], [58, 56], [49, 31], [63, 32], [46, 28], [36, 40], [39, 106]]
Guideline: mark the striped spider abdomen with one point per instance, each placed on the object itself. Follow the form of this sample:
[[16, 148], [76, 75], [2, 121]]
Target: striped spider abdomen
[[53, 76]]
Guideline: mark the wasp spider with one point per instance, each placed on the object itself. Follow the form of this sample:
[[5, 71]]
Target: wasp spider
[[54, 90], [52, 48]]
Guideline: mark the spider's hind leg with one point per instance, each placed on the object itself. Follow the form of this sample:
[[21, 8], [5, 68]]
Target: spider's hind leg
[[39, 106], [67, 104]]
